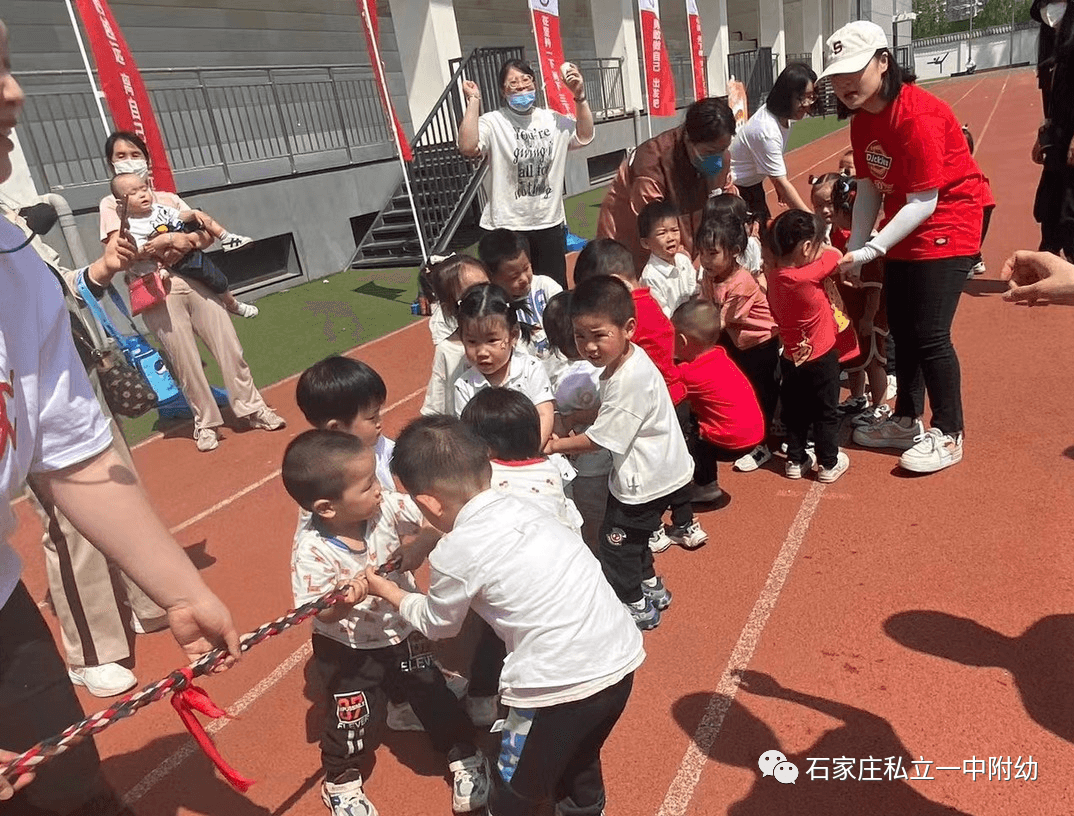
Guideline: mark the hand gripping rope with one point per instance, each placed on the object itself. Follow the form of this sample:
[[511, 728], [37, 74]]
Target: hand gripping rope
[[186, 698]]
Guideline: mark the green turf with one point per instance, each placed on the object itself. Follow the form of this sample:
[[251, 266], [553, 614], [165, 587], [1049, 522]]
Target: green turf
[[813, 128]]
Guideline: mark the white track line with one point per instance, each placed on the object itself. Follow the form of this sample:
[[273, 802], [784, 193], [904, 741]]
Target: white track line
[[988, 121], [693, 762], [189, 747]]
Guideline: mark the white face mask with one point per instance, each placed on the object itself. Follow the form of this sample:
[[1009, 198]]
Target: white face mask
[[1052, 14], [139, 167]]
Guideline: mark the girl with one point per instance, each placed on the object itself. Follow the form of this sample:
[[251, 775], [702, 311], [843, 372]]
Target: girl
[[489, 329], [911, 157], [810, 359], [750, 333], [736, 207], [449, 279]]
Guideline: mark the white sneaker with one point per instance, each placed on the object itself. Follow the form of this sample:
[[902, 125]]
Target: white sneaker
[[829, 475], [793, 470], [892, 433], [232, 242], [979, 268], [934, 450], [483, 711], [471, 785], [206, 439], [347, 799], [659, 540], [401, 717], [754, 459], [247, 310], [689, 537], [892, 390], [104, 681]]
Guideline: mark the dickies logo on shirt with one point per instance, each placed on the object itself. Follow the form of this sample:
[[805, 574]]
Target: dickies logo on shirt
[[878, 159]]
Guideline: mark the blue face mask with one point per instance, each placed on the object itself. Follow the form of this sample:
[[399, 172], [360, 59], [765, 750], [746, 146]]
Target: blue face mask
[[522, 102], [710, 165]]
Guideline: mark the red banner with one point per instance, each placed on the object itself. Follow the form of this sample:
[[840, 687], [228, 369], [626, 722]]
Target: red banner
[[372, 39], [550, 55], [697, 50], [124, 91], [660, 86]]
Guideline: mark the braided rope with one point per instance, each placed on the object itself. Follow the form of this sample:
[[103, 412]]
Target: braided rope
[[176, 681]]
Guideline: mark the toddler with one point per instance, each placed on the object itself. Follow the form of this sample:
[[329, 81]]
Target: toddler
[[490, 331], [810, 358], [669, 274], [362, 646], [734, 207], [146, 219], [651, 467], [572, 649]]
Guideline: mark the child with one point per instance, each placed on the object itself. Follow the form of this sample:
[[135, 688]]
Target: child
[[362, 646], [146, 219], [810, 358], [730, 423], [750, 334], [734, 207], [572, 649], [507, 256], [577, 390], [669, 274], [989, 204], [449, 279], [651, 467], [489, 328]]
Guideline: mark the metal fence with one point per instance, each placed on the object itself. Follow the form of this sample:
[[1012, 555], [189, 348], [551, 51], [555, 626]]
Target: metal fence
[[604, 86], [682, 68], [756, 70], [220, 125]]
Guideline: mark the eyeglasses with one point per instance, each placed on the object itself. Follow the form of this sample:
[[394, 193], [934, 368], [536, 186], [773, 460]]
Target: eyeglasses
[[520, 85], [809, 97]]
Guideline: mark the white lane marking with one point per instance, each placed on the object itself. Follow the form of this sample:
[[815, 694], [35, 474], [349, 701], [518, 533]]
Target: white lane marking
[[988, 121], [693, 762]]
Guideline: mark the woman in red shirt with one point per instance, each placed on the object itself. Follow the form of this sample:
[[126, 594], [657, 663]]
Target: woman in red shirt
[[912, 158]]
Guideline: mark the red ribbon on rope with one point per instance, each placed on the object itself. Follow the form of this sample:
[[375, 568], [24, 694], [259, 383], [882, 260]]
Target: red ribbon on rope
[[194, 698]]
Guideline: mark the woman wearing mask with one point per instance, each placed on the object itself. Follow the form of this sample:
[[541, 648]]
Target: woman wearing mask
[[527, 149], [684, 165]]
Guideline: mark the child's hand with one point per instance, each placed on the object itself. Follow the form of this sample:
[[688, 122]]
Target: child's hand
[[355, 591], [550, 445], [376, 585]]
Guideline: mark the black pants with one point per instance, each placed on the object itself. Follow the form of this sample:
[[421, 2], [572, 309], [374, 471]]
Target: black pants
[[487, 663], [760, 364], [548, 252], [811, 400], [706, 455], [1053, 207], [624, 539], [200, 267], [755, 199], [922, 297], [356, 684], [37, 701], [553, 755]]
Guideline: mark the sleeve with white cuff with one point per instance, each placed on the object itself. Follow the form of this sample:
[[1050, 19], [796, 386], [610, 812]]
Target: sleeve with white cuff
[[910, 216]]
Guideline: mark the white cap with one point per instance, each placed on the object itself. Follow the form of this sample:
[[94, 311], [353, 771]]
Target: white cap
[[850, 48]]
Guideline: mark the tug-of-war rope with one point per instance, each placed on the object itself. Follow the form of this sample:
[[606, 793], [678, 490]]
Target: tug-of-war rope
[[186, 698]]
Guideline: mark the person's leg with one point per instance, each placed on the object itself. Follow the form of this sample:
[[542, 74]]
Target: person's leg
[[486, 664], [548, 252], [795, 413], [757, 201], [440, 711], [590, 496], [624, 546], [824, 394], [900, 288]]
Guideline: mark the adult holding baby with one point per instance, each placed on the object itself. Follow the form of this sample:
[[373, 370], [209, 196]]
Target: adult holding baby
[[190, 309], [527, 148]]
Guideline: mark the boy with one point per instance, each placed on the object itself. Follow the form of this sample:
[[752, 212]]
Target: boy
[[361, 646], [729, 419], [572, 649], [507, 256], [669, 274], [146, 219], [651, 467]]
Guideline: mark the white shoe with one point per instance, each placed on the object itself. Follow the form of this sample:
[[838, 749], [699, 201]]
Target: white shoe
[[689, 537], [793, 470], [892, 433], [934, 450], [471, 785], [347, 799], [829, 475], [979, 268], [401, 717], [893, 389], [483, 711], [233, 242], [247, 310], [266, 419], [104, 681], [206, 439], [659, 540], [754, 459]]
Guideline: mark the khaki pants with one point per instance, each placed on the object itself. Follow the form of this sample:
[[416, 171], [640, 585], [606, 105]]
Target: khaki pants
[[191, 309]]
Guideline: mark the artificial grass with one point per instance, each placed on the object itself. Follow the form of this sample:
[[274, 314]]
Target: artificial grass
[[813, 128]]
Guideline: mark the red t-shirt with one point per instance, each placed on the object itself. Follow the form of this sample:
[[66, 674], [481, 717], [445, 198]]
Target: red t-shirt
[[801, 308], [656, 335], [916, 144], [723, 401]]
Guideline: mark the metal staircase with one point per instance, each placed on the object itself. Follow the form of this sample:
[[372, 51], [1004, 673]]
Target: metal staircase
[[443, 181]]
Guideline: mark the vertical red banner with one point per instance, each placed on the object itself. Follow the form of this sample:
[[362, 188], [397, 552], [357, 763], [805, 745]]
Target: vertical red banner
[[124, 91], [697, 50], [659, 82], [550, 55], [368, 9]]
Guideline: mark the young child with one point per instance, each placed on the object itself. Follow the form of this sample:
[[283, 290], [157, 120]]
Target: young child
[[669, 274], [507, 256], [651, 467], [490, 331], [750, 334], [572, 649], [735, 208], [989, 205], [449, 279], [810, 357], [362, 646], [730, 423], [577, 390], [146, 219]]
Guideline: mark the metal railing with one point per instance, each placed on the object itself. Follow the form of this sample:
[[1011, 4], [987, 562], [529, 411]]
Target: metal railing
[[682, 69], [220, 125], [804, 56], [604, 86], [756, 70]]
